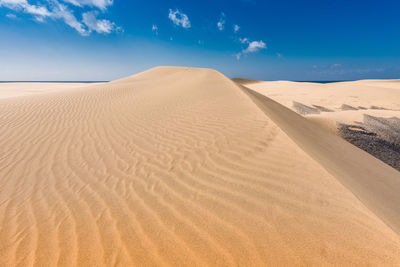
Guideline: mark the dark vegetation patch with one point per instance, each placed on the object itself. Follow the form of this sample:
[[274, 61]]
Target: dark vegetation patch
[[322, 109], [379, 137], [347, 107], [376, 107], [303, 109]]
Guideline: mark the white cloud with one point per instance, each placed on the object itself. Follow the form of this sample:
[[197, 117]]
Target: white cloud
[[101, 4], [221, 22], [236, 28], [98, 25], [179, 18], [53, 9], [24, 6], [61, 11], [11, 16], [255, 46], [220, 25], [154, 28], [252, 47], [244, 40]]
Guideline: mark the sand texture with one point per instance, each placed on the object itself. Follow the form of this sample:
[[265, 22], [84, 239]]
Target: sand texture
[[14, 89], [183, 167]]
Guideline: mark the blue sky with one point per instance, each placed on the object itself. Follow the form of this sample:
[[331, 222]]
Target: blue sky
[[269, 40]]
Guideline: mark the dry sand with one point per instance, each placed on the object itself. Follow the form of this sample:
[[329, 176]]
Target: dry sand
[[182, 167], [14, 89], [327, 104]]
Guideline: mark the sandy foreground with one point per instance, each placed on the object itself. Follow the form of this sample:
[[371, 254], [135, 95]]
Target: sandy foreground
[[184, 167]]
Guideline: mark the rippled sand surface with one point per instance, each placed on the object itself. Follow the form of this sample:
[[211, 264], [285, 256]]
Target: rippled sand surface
[[173, 166]]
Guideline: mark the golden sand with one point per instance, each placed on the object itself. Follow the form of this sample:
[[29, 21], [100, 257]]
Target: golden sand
[[180, 167]]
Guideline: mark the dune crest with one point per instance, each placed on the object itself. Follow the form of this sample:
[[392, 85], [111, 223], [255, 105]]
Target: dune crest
[[173, 166]]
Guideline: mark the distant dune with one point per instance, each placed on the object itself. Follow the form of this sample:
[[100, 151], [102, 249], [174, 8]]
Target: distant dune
[[184, 167], [14, 89]]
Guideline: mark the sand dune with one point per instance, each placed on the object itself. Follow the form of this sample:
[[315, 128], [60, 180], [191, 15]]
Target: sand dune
[[180, 167]]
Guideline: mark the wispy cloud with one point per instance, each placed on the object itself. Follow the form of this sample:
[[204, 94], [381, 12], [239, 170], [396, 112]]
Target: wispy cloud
[[221, 22], [11, 16], [236, 28], [244, 40], [61, 11], [98, 25], [179, 18], [101, 4], [55, 10], [154, 28], [24, 6], [252, 47]]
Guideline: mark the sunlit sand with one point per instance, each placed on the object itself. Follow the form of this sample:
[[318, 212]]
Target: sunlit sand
[[184, 167]]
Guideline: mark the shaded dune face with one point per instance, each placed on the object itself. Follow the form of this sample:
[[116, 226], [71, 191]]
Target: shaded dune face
[[173, 166]]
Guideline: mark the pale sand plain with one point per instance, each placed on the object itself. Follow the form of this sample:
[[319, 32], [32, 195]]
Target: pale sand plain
[[330, 103], [14, 89], [183, 167]]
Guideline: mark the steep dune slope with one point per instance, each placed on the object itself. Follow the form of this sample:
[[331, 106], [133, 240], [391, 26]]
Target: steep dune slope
[[375, 183], [173, 166]]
